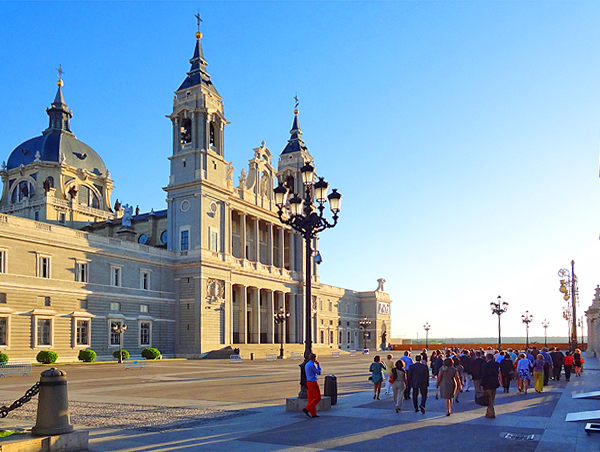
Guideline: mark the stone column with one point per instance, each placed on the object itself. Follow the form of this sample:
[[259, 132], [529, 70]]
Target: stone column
[[243, 236], [256, 241], [269, 244], [270, 317], [281, 248], [255, 303], [292, 319], [292, 252]]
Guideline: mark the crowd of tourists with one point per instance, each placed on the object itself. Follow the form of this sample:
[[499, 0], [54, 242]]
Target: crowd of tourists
[[456, 371]]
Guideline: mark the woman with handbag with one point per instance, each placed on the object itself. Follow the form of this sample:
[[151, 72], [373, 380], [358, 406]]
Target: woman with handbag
[[376, 369], [448, 382], [577, 362]]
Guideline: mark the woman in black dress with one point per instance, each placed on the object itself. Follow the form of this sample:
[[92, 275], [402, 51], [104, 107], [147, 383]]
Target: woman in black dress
[[507, 370]]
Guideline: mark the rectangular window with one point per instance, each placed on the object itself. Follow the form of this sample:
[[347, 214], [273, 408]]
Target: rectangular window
[[43, 267], [3, 298], [2, 261], [47, 301], [83, 304], [145, 279], [144, 308], [44, 329], [3, 331], [144, 333], [116, 275], [83, 329], [61, 218], [213, 240], [115, 306], [185, 240], [115, 337], [82, 272]]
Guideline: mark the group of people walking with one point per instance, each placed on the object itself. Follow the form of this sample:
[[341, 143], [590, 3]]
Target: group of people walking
[[456, 371]]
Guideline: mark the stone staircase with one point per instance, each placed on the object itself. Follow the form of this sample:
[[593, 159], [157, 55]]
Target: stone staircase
[[260, 351]]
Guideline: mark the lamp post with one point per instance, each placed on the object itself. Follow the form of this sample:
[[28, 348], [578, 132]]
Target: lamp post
[[120, 328], [364, 323], [499, 307], [567, 317], [568, 287], [545, 324], [527, 319], [280, 317], [427, 327], [306, 217]]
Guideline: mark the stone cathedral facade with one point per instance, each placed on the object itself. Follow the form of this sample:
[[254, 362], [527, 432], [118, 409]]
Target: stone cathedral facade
[[207, 272]]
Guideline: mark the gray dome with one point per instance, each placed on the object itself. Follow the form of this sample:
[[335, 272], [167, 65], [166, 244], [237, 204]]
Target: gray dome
[[51, 145]]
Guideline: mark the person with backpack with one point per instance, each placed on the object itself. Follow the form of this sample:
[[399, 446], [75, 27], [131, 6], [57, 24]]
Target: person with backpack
[[399, 382]]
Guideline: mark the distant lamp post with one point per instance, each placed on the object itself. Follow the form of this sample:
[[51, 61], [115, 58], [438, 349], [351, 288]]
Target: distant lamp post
[[499, 307], [567, 316], [306, 216], [120, 328], [527, 319], [427, 327], [364, 323], [580, 324], [280, 318], [568, 287], [545, 324]]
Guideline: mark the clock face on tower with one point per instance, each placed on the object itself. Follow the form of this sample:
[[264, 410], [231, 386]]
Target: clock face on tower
[[143, 239]]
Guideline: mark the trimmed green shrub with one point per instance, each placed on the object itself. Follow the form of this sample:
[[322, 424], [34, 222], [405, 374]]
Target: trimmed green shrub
[[151, 353], [87, 356], [3, 358], [124, 354], [47, 357]]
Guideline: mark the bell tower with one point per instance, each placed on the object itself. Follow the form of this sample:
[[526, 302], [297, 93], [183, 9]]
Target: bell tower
[[198, 151]]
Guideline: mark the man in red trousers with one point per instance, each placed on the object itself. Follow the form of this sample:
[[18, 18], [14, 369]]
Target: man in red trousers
[[313, 370]]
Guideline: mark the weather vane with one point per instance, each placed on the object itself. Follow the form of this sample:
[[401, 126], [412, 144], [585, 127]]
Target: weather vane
[[297, 102]]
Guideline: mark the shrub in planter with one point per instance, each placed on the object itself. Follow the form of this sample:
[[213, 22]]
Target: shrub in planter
[[3, 358], [151, 353], [47, 357], [87, 356], [124, 353]]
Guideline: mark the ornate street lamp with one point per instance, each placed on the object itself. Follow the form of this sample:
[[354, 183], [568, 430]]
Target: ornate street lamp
[[427, 327], [568, 287], [527, 319], [280, 318], [120, 328], [499, 307], [545, 324], [306, 216], [364, 323], [567, 317]]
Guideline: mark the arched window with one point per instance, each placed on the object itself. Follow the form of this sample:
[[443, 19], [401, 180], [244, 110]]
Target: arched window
[[212, 134], [87, 196], [289, 183], [22, 190], [186, 131]]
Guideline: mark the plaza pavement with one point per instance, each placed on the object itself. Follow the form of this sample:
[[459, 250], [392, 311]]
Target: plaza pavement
[[253, 394]]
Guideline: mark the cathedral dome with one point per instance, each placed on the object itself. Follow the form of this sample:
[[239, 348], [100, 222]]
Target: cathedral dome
[[52, 146], [57, 143]]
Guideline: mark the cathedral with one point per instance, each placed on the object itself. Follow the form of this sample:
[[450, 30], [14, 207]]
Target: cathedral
[[208, 272]]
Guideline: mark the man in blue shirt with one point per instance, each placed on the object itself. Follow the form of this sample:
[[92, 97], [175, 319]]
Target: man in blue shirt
[[407, 363], [312, 369]]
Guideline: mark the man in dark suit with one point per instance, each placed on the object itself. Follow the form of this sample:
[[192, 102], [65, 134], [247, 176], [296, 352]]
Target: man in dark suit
[[490, 382], [558, 360], [418, 379], [476, 366]]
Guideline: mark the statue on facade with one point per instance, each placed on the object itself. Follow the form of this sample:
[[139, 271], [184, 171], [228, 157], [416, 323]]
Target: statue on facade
[[137, 210], [127, 215], [380, 283], [230, 169], [242, 179], [117, 206]]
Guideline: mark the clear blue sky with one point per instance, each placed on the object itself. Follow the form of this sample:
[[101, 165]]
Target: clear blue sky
[[464, 136]]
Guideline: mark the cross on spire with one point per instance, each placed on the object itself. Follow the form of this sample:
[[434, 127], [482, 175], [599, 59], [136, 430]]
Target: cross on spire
[[60, 71], [297, 102], [198, 19]]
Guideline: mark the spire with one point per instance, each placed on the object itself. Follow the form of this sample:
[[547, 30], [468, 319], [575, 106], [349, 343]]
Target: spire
[[198, 74], [59, 114], [295, 143]]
